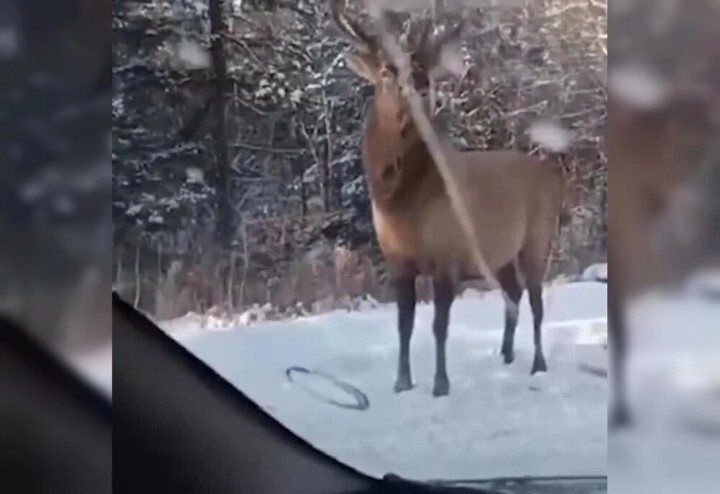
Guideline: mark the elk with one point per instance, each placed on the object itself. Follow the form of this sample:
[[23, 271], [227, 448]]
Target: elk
[[515, 201]]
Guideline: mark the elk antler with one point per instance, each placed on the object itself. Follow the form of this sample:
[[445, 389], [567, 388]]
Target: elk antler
[[427, 53], [393, 22], [352, 29], [418, 38]]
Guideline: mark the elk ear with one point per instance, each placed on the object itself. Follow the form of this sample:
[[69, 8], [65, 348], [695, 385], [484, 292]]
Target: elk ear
[[365, 65]]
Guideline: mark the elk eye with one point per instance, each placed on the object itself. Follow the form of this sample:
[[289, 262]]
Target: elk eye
[[388, 71]]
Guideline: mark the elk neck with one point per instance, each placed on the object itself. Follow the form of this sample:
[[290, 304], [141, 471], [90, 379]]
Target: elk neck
[[396, 159]]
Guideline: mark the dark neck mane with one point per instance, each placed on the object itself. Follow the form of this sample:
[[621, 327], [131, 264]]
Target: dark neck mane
[[395, 163]]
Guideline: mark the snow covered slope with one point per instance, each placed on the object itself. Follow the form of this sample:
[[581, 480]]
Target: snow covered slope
[[498, 420]]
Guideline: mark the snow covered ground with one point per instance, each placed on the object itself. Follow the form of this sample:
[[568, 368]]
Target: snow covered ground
[[498, 420], [674, 389]]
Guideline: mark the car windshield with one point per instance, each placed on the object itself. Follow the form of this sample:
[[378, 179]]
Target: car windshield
[[244, 224]]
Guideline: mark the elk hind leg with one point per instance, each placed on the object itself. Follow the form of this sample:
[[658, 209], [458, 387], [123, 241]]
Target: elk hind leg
[[532, 263], [406, 300], [513, 293], [444, 293]]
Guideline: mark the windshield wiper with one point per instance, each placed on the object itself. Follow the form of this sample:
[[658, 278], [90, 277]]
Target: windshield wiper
[[575, 483], [580, 484], [396, 484]]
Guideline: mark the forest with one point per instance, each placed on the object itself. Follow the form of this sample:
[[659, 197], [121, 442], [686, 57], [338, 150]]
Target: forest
[[237, 175]]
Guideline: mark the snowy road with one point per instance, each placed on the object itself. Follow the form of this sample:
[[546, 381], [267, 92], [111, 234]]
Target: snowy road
[[498, 419]]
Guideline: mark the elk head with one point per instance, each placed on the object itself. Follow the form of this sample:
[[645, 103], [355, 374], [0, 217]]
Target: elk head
[[370, 61]]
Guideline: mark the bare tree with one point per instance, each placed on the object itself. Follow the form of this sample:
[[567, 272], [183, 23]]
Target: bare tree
[[218, 32]]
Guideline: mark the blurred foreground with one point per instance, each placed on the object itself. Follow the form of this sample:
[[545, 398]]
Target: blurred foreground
[[55, 226], [664, 250]]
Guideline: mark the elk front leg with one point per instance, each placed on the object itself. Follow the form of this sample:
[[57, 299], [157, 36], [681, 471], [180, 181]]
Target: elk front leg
[[444, 294], [406, 298]]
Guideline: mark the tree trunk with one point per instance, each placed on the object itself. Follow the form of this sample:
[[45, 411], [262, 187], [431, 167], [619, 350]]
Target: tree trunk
[[325, 183], [222, 161]]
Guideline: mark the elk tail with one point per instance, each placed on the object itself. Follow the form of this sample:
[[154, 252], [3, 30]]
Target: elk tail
[[556, 142]]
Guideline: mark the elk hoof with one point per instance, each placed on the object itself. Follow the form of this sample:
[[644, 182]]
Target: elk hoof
[[619, 418], [508, 356], [538, 364], [441, 387], [403, 383]]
